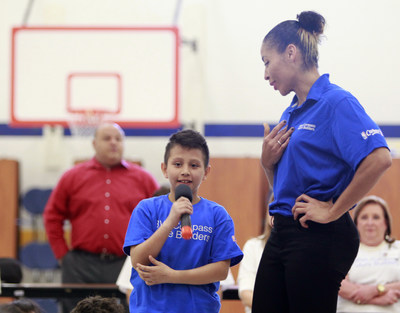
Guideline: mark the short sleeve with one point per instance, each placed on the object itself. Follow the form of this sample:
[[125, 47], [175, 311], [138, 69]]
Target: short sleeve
[[140, 226], [225, 245], [356, 135]]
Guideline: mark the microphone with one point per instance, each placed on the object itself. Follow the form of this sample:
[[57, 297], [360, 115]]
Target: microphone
[[186, 224]]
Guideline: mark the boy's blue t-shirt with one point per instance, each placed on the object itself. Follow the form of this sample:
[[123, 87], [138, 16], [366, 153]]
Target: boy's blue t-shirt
[[213, 240], [332, 135]]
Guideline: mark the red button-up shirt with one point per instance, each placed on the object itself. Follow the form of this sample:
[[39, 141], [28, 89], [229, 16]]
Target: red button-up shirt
[[98, 202]]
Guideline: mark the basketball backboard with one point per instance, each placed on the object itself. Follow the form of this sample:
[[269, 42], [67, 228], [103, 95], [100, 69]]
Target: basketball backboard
[[130, 72]]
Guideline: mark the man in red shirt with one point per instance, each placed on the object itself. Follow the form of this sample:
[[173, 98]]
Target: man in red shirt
[[97, 197]]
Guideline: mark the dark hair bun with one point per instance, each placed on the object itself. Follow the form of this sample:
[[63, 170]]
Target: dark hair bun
[[311, 22]]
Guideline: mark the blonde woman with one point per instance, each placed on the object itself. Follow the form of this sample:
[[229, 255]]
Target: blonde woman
[[373, 282]]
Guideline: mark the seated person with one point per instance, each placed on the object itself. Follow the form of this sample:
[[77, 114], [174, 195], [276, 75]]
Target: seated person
[[22, 305], [123, 281], [252, 250], [373, 282], [99, 304]]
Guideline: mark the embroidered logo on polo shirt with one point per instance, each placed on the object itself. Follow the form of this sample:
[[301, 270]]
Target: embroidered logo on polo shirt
[[307, 127], [371, 132]]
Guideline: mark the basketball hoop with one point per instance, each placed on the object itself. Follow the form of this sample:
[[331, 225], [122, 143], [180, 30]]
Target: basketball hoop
[[85, 123]]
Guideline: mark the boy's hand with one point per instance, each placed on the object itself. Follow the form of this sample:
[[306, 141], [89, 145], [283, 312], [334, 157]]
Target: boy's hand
[[179, 207], [153, 275]]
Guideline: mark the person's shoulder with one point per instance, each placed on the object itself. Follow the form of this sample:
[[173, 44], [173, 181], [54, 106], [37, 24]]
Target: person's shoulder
[[89, 163], [335, 95], [155, 202], [393, 250], [162, 199], [152, 207], [395, 244], [77, 169], [216, 209], [211, 204], [131, 165]]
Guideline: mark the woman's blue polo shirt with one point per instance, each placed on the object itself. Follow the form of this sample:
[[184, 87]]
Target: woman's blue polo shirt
[[332, 135]]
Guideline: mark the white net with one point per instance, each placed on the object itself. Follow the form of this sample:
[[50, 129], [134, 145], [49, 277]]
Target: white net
[[84, 124]]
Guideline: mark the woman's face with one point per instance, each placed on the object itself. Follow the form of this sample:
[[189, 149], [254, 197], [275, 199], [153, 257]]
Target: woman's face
[[371, 224], [277, 68]]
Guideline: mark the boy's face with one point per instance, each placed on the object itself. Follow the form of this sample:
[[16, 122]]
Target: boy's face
[[185, 166]]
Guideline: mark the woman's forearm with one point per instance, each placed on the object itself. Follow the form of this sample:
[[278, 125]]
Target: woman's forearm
[[347, 289], [366, 176]]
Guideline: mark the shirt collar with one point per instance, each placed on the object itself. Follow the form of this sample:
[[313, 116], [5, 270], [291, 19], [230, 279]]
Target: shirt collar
[[96, 164], [316, 90]]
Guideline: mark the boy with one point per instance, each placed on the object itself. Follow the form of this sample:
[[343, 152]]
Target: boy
[[172, 274]]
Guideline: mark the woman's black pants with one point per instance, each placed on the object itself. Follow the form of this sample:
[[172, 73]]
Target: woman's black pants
[[301, 269]]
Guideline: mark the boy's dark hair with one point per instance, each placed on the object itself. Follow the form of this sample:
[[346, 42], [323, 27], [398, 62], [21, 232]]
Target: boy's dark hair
[[9, 308], [99, 304], [22, 305], [189, 139]]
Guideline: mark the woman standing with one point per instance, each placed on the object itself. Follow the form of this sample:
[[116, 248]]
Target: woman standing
[[325, 154], [373, 282]]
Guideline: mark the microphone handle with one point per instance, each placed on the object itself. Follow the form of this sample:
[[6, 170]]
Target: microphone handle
[[186, 220], [186, 226]]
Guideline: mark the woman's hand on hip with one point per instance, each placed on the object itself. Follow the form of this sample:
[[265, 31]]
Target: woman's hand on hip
[[313, 210]]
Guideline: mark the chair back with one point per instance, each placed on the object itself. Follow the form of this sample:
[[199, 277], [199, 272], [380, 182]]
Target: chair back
[[38, 255], [35, 200]]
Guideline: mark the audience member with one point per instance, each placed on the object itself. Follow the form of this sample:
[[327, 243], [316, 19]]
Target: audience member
[[252, 250], [172, 274], [123, 280], [22, 305], [99, 304], [10, 270], [373, 282], [9, 308], [97, 197]]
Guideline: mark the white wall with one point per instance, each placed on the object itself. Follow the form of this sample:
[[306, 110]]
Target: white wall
[[223, 81]]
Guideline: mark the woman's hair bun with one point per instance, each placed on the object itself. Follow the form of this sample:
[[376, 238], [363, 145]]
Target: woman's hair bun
[[311, 22]]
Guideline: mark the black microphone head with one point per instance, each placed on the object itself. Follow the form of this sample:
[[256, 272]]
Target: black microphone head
[[183, 191]]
